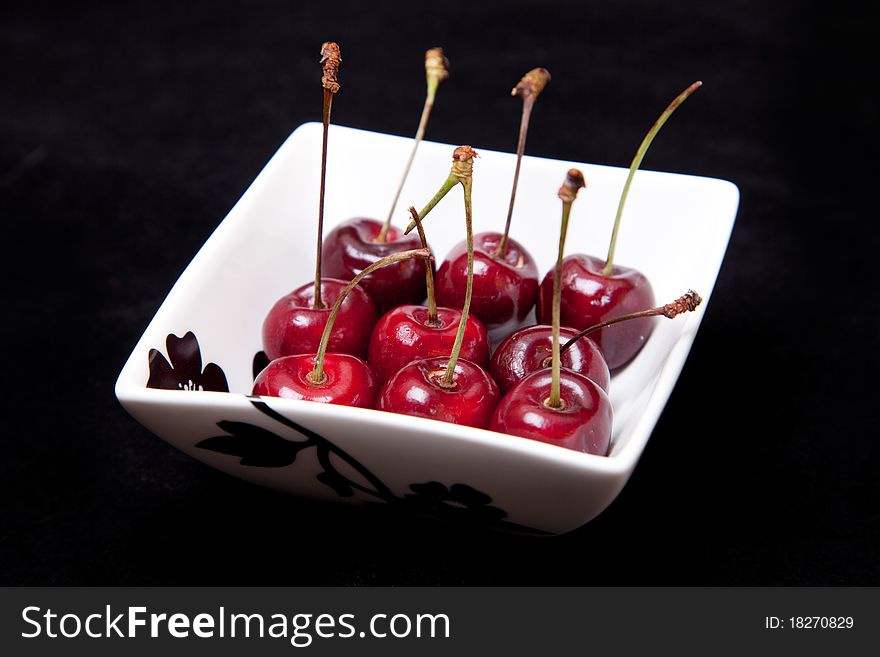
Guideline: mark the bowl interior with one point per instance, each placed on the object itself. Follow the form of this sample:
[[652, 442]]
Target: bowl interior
[[675, 230]]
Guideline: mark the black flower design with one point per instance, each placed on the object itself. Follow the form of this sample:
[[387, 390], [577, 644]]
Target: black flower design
[[458, 502], [184, 372], [256, 446]]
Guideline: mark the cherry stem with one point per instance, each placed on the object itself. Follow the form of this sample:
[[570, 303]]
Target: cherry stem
[[529, 87], [448, 184], [317, 374], [429, 273], [574, 181], [448, 381], [331, 58], [435, 73], [636, 163], [685, 303]]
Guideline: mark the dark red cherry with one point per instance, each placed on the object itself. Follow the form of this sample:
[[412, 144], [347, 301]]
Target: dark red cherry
[[589, 298], [582, 423], [351, 247], [347, 380], [530, 349], [504, 290], [294, 327], [403, 335], [417, 389]]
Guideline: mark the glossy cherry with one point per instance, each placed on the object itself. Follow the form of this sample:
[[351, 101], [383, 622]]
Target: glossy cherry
[[348, 381], [590, 297], [353, 245], [418, 389], [530, 349], [504, 288], [294, 325], [405, 334], [595, 290], [582, 422]]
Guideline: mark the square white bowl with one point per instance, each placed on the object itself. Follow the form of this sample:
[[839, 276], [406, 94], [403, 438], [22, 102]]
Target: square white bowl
[[265, 247]]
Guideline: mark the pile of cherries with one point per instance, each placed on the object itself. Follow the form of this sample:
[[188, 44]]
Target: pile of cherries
[[434, 360]]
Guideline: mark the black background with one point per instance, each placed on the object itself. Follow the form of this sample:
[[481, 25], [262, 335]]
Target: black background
[[128, 131]]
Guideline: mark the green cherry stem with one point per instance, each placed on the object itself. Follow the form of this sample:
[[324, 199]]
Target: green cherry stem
[[686, 303], [331, 58], [574, 182], [429, 273], [636, 163], [435, 73], [316, 376], [529, 88]]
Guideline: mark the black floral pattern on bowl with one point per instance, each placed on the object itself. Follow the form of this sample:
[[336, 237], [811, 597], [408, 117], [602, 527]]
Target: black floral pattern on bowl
[[259, 447], [184, 371]]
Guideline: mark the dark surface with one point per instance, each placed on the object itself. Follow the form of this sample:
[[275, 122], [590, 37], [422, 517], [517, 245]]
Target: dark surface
[[127, 134]]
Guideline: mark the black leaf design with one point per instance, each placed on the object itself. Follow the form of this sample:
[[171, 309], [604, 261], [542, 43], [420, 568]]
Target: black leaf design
[[459, 502], [254, 445], [184, 371]]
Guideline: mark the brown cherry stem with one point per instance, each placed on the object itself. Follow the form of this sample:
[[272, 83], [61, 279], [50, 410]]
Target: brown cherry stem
[[429, 273], [529, 88], [435, 72], [574, 182], [331, 58], [317, 374], [636, 163], [684, 304]]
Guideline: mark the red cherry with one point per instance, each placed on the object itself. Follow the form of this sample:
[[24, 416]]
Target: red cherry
[[347, 380], [417, 389], [404, 334], [589, 297], [504, 290], [582, 423], [293, 326], [351, 247], [530, 349]]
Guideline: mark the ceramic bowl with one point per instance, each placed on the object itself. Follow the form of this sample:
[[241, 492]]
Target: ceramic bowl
[[205, 338]]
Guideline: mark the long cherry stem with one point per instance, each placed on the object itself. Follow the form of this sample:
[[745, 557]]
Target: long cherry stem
[[685, 303], [529, 88], [448, 380], [331, 58], [574, 181], [429, 273], [317, 374], [435, 73], [636, 163]]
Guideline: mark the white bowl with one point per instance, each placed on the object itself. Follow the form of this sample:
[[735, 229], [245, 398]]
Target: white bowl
[[675, 230]]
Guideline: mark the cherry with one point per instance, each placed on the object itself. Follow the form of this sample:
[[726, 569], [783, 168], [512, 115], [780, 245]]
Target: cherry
[[558, 406], [419, 389], [504, 289], [328, 378], [294, 325], [530, 349], [348, 382], [354, 244], [505, 275], [295, 322], [449, 389], [594, 291], [581, 422], [410, 332]]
